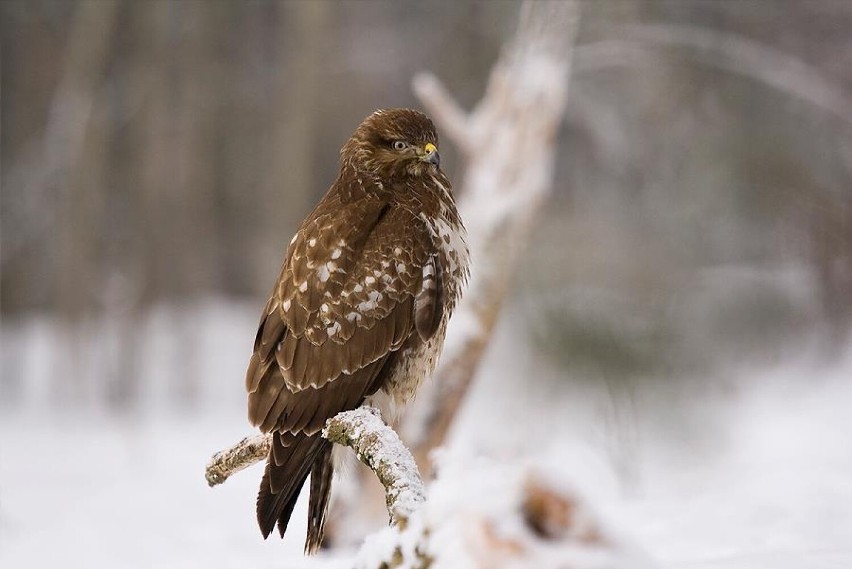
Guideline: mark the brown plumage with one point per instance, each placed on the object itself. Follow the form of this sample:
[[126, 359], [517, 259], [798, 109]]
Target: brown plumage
[[360, 307]]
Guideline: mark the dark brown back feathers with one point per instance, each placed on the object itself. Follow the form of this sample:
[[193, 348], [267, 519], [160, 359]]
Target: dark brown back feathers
[[363, 278]]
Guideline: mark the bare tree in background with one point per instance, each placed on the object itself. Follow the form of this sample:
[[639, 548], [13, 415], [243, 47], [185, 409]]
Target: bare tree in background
[[509, 145], [291, 156], [72, 164]]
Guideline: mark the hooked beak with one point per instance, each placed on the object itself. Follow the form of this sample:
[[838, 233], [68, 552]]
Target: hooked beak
[[431, 154]]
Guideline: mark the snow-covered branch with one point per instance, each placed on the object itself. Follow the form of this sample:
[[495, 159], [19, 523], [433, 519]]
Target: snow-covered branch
[[239, 457], [379, 447], [375, 444]]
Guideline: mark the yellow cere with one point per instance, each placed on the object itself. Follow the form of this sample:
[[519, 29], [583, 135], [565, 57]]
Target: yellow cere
[[430, 148]]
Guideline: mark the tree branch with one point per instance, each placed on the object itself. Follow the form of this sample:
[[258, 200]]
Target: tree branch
[[730, 52], [379, 447], [239, 457], [375, 444], [450, 118]]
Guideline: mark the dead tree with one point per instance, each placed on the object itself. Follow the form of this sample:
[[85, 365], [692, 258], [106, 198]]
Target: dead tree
[[508, 143]]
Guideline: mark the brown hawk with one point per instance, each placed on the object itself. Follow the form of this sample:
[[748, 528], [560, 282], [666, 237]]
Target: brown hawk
[[360, 308]]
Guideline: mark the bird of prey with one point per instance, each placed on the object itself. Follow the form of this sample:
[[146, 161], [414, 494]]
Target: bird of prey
[[360, 307]]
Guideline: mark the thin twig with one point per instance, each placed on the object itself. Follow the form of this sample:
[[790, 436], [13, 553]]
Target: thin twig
[[730, 52], [449, 117]]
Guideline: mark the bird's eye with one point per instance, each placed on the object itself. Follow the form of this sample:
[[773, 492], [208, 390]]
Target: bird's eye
[[400, 145]]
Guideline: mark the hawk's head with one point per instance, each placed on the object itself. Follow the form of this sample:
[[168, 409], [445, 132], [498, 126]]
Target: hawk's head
[[392, 143]]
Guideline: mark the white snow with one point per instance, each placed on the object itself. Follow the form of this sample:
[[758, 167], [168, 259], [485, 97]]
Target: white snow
[[755, 472], [389, 453]]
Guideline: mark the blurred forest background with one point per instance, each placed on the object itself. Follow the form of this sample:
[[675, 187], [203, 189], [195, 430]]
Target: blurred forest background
[[157, 155]]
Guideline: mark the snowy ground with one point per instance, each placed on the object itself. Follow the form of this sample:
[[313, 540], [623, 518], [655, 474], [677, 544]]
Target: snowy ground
[[754, 473], [754, 477]]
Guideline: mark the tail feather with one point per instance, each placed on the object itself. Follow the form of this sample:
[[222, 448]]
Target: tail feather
[[321, 476], [287, 468], [272, 508]]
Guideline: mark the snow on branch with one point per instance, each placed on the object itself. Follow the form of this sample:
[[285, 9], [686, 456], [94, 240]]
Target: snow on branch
[[375, 444], [379, 447], [239, 457]]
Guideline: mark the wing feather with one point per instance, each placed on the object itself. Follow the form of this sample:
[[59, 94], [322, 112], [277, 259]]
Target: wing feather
[[286, 352], [300, 365], [275, 413], [402, 326], [255, 371], [272, 330], [302, 414], [297, 317], [345, 302]]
